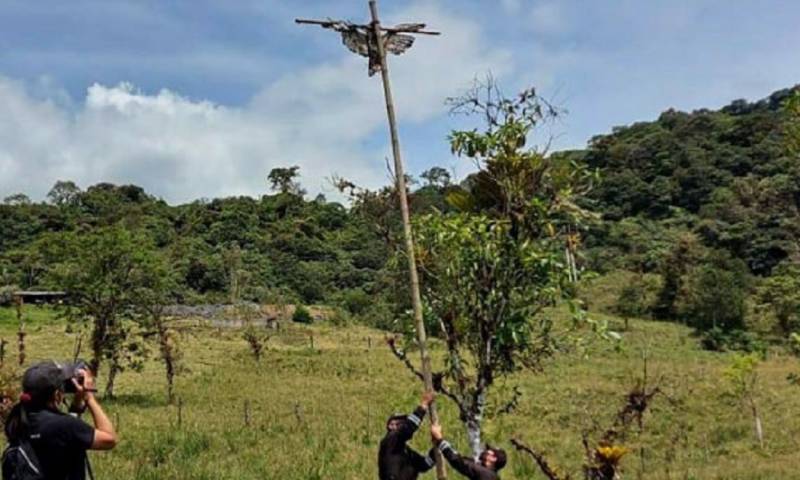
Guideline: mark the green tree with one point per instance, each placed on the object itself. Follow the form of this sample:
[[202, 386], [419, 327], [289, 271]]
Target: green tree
[[780, 293], [99, 272], [437, 177], [284, 180], [715, 294], [632, 299], [155, 289], [64, 193], [791, 128], [17, 199], [491, 270], [681, 258]]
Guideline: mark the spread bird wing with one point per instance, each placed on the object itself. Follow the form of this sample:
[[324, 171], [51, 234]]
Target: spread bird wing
[[356, 42], [409, 27], [398, 43]]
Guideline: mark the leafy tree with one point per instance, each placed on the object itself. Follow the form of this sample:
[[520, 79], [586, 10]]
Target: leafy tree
[[491, 270], [436, 176], [284, 180], [100, 274], [632, 300], [781, 294], [683, 256], [156, 288], [715, 294], [17, 199], [64, 193], [792, 123]]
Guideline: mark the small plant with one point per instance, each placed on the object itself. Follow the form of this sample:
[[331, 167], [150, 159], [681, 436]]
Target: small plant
[[255, 340], [302, 315], [794, 345], [742, 375], [632, 300], [603, 457]]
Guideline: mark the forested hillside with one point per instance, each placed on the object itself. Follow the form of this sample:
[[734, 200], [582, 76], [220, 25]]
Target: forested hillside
[[703, 207], [728, 176]]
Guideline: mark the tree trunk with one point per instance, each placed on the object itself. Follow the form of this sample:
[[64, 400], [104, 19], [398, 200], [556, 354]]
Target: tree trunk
[[169, 361], [757, 421], [112, 375], [98, 337], [473, 425]]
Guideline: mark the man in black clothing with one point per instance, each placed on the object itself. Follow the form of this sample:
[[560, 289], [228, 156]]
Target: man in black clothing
[[59, 440], [396, 460], [490, 461]]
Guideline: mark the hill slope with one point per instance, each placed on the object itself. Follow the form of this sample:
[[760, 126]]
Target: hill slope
[[318, 414]]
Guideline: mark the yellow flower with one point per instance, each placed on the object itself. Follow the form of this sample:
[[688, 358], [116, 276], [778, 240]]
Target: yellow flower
[[611, 454]]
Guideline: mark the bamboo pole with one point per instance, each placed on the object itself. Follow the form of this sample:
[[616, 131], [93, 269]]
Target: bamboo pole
[[416, 298]]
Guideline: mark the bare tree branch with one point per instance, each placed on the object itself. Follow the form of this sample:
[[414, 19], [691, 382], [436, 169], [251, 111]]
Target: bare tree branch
[[548, 471], [438, 377]]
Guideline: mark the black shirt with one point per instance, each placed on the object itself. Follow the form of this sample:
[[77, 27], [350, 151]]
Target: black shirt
[[396, 460], [466, 466], [60, 442]]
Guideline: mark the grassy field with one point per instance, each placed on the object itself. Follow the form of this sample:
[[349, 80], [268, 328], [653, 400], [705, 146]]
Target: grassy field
[[319, 414]]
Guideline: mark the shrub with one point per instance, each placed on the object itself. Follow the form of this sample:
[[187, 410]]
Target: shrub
[[7, 294], [302, 315], [715, 294], [719, 340], [356, 301]]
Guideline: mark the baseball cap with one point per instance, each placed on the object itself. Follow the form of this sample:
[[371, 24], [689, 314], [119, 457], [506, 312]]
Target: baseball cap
[[42, 379]]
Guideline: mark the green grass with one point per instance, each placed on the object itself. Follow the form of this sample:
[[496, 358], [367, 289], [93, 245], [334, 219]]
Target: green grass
[[319, 414]]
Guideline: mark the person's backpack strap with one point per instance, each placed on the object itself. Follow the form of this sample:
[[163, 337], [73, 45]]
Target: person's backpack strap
[[21, 463], [88, 466]]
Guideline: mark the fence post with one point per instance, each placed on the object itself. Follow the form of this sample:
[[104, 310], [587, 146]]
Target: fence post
[[21, 330]]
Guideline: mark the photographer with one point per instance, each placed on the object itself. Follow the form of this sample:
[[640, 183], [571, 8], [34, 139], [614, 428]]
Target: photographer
[[46, 440]]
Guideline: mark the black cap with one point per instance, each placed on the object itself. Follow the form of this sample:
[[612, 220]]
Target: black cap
[[41, 380]]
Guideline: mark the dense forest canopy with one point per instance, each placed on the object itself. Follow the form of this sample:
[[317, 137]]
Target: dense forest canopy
[[729, 176], [713, 189]]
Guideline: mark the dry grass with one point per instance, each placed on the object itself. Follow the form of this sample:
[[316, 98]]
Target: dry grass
[[318, 414]]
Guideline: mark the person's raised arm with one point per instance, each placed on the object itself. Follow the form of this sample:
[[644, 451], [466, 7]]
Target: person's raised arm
[[105, 438], [413, 421], [460, 464]]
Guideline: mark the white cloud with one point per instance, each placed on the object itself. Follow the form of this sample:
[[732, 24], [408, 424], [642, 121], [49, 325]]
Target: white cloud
[[319, 118]]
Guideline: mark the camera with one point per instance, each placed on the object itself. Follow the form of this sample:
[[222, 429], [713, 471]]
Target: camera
[[72, 370]]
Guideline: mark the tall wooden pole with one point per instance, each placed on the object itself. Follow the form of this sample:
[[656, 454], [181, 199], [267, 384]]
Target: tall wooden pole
[[416, 298]]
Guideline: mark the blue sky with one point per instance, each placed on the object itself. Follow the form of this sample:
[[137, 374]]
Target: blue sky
[[201, 98]]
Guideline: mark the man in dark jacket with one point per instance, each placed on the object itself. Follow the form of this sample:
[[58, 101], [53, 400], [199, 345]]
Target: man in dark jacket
[[396, 460], [490, 461]]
